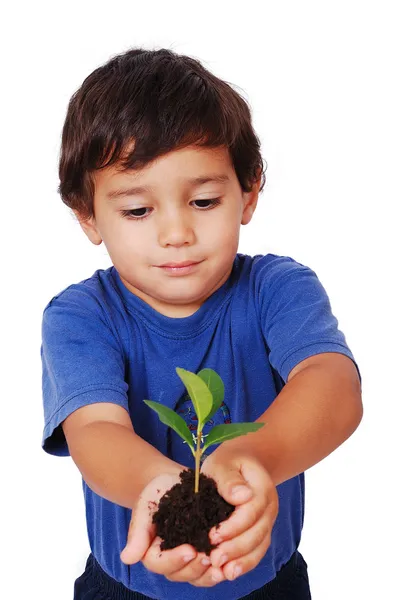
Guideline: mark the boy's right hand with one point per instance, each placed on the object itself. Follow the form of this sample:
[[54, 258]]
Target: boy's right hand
[[181, 564]]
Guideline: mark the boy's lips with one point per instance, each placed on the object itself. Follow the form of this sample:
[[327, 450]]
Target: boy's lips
[[183, 268], [182, 264]]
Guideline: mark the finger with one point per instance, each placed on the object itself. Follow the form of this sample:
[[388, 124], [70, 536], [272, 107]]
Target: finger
[[141, 532], [211, 577], [243, 544], [246, 515], [238, 567], [166, 562], [232, 486], [193, 570], [243, 517]]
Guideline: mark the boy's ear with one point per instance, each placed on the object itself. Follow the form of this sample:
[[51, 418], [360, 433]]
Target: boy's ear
[[90, 229], [250, 203]]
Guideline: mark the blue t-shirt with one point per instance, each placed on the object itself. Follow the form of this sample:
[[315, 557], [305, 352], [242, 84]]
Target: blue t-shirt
[[101, 343]]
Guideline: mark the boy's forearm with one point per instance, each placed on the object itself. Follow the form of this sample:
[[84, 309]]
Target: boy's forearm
[[313, 414], [116, 463]]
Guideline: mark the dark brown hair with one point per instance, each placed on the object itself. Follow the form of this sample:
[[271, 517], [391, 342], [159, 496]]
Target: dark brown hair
[[161, 101]]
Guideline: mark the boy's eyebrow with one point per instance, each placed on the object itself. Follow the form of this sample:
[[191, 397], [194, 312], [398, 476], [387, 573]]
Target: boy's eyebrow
[[192, 181]]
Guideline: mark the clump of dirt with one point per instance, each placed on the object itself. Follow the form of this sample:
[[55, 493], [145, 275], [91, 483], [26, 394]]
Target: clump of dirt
[[184, 517]]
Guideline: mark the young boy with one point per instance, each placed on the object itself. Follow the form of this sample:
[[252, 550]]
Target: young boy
[[160, 162]]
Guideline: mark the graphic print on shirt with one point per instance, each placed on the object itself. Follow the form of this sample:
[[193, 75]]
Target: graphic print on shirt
[[185, 409]]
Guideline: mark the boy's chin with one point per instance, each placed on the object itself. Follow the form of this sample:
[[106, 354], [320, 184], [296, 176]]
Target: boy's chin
[[182, 303], [181, 300]]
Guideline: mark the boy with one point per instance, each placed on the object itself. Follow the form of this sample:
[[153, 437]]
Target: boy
[[160, 162]]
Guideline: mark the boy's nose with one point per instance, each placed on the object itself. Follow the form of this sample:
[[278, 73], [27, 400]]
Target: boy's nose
[[176, 232]]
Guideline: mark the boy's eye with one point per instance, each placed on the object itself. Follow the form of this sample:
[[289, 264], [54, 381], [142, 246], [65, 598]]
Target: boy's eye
[[136, 213], [207, 203]]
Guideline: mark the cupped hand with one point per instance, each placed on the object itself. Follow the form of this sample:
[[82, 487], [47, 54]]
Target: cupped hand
[[181, 564], [243, 539]]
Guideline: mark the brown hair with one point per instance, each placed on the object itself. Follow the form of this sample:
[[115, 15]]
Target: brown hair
[[161, 101]]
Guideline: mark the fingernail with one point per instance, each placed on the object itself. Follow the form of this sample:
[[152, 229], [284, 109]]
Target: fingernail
[[205, 561], [223, 559], [188, 558], [216, 576], [237, 571]]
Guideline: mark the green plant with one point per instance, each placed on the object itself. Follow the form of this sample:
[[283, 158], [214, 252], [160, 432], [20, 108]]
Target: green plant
[[206, 390]]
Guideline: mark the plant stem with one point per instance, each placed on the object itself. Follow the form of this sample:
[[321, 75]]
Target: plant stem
[[197, 460]]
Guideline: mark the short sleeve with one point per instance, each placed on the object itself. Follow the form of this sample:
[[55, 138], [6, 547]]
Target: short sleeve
[[82, 363], [297, 319]]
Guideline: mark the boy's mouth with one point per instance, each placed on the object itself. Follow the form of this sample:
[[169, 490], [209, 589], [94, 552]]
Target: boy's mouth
[[183, 268]]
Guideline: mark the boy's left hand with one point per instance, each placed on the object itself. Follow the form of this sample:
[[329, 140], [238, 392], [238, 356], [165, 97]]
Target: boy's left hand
[[244, 538]]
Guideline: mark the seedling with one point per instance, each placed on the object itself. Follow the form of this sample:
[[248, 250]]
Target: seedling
[[206, 390]]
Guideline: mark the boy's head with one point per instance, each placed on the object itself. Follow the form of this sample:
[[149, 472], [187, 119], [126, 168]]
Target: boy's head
[[161, 123]]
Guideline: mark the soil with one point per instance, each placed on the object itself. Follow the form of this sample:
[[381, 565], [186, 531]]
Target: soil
[[184, 517]]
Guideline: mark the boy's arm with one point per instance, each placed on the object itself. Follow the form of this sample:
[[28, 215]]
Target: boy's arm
[[116, 463], [316, 411]]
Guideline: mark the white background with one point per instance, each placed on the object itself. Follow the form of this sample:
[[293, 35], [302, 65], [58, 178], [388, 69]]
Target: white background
[[323, 79]]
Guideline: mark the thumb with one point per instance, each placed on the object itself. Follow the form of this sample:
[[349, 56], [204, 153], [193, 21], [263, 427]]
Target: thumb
[[141, 533], [232, 486]]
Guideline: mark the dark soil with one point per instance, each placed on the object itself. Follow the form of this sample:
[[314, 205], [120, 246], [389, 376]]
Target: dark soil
[[184, 517]]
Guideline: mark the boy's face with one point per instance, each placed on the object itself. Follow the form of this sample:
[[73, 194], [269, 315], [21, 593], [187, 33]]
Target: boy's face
[[169, 220]]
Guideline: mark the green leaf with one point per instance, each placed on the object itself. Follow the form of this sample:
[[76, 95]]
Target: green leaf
[[170, 418], [222, 433], [216, 387], [199, 393]]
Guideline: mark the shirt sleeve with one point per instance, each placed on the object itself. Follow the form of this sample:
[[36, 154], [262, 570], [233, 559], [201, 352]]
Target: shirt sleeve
[[297, 318], [82, 363]]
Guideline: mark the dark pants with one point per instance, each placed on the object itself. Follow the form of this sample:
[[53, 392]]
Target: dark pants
[[291, 583]]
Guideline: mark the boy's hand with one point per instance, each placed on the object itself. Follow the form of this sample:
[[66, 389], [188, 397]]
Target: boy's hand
[[246, 535], [183, 563]]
